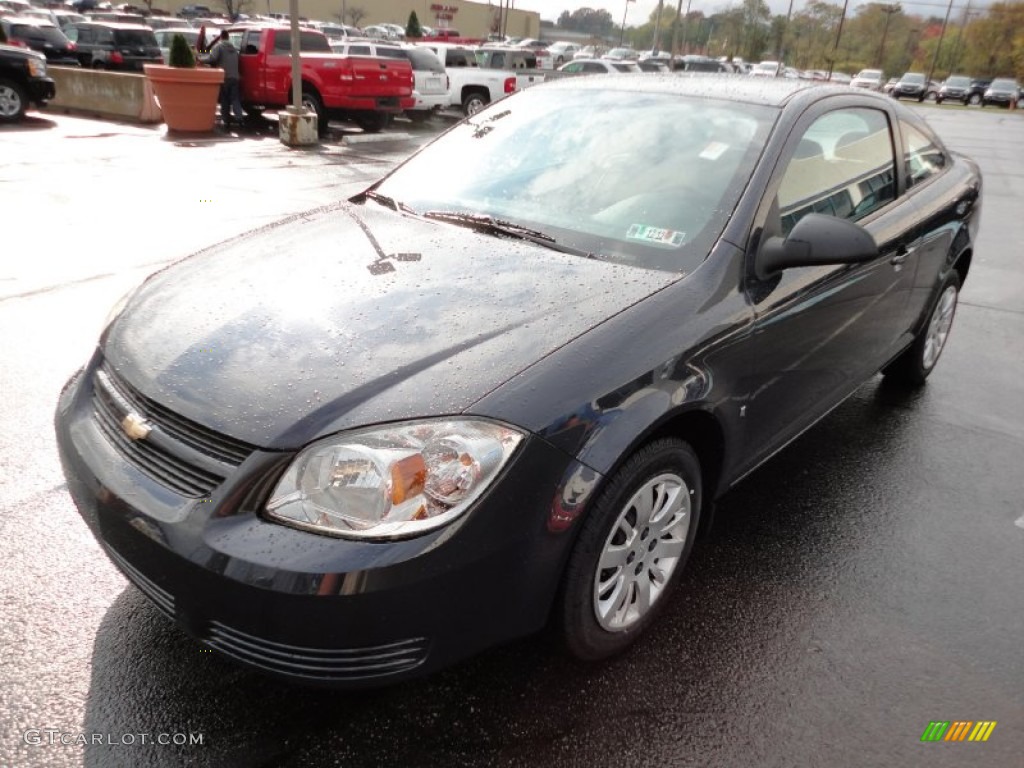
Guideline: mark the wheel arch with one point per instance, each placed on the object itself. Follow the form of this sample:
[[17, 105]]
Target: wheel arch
[[703, 432]]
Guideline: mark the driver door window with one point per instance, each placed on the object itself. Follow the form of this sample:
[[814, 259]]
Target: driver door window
[[843, 166]]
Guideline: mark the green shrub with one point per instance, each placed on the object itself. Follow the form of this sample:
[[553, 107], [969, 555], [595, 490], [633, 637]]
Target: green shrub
[[181, 53]]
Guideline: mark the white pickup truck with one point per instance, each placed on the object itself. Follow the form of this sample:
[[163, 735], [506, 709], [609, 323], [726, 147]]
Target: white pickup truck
[[478, 77]]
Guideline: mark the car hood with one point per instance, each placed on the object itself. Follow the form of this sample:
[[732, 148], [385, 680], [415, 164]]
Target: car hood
[[354, 315]]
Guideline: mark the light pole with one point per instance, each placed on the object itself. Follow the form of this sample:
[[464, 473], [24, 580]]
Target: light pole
[[622, 32]]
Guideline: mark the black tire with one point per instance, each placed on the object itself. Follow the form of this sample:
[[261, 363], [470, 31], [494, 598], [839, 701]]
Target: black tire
[[974, 98], [938, 100], [918, 361], [372, 122], [600, 610], [474, 101], [13, 101], [98, 64], [311, 101]]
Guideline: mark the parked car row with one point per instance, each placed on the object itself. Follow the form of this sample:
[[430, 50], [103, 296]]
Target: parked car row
[[957, 88]]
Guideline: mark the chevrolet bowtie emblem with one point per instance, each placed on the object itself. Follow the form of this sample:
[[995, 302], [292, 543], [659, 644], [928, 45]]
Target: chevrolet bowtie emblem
[[135, 427]]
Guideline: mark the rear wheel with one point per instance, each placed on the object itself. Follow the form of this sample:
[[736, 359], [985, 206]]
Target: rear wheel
[[918, 361], [474, 102], [13, 101], [311, 101], [974, 98], [630, 553], [372, 122]]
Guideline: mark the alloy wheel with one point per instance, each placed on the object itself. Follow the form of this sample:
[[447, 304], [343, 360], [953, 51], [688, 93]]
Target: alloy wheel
[[10, 101], [938, 327], [641, 552]]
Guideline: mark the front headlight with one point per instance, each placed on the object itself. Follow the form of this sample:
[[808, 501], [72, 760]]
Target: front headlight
[[392, 481], [37, 67]]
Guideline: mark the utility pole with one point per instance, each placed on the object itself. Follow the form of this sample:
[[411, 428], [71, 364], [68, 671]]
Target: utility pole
[[938, 48], [839, 34], [888, 10], [782, 37], [675, 32], [959, 35], [622, 31], [656, 42]]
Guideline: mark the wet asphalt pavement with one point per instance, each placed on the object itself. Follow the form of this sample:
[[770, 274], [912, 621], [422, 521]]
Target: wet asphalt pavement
[[867, 581]]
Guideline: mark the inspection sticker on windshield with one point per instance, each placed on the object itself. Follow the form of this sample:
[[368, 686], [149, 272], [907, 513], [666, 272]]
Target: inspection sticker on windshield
[[714, 150], [655, 235]]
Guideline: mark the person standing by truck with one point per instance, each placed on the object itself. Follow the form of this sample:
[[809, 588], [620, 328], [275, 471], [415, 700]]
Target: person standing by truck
[[225, 55]]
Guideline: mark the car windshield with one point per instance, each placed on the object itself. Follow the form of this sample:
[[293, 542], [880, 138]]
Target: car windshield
[[1005, 85], [913, 78], [870, 74], [575, 165]]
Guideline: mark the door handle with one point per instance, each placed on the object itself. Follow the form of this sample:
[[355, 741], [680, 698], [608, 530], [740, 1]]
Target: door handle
[[901, 255]]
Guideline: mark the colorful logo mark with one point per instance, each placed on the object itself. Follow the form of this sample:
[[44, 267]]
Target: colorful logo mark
[[958, 730]]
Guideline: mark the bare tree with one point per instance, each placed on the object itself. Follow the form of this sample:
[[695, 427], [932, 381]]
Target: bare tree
[[232, 8], [355, 15]]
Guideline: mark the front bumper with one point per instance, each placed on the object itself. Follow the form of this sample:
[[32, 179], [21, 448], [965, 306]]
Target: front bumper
[[41, 90], [310, 608]]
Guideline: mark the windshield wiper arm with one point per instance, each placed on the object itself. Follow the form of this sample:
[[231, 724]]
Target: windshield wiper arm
[[387, 202], [488, 225]]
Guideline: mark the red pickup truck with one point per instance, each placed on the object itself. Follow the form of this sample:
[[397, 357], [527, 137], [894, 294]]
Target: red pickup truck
[[364, 89]]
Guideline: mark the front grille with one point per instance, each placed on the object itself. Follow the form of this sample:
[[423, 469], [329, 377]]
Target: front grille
[[180, 454], [213, 444], [318, 663], [163, 599]]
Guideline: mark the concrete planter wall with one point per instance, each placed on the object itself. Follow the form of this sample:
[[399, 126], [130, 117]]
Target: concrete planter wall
[[118, 95]]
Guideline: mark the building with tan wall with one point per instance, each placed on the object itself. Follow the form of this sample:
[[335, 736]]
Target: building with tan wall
[[471, 19]]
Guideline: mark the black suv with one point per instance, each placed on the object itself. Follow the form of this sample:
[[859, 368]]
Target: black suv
[[42, 36], [911, 86], [977, 90], [23, 81], [108, 45], [955, 88]]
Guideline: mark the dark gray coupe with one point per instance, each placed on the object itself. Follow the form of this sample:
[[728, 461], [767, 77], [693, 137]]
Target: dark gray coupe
[[502, 386]]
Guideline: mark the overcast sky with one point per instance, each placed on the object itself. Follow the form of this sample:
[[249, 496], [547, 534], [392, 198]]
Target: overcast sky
[[641, 10]]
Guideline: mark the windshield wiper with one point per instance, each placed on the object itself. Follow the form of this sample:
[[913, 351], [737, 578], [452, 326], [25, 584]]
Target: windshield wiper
[[387, 202], [488, 225]]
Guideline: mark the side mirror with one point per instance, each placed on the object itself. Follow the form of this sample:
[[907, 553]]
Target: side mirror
[[816, 240]]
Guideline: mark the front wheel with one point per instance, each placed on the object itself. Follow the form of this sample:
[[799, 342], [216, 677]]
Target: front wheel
[[918, 361], [974, 99], [13, 101], [631, 550]]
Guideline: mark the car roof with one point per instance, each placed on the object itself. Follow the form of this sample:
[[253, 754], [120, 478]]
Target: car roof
[[30, 21], [769, 92], [112, 25]]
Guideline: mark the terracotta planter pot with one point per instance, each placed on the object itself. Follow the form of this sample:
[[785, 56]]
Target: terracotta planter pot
[[187, 97]]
